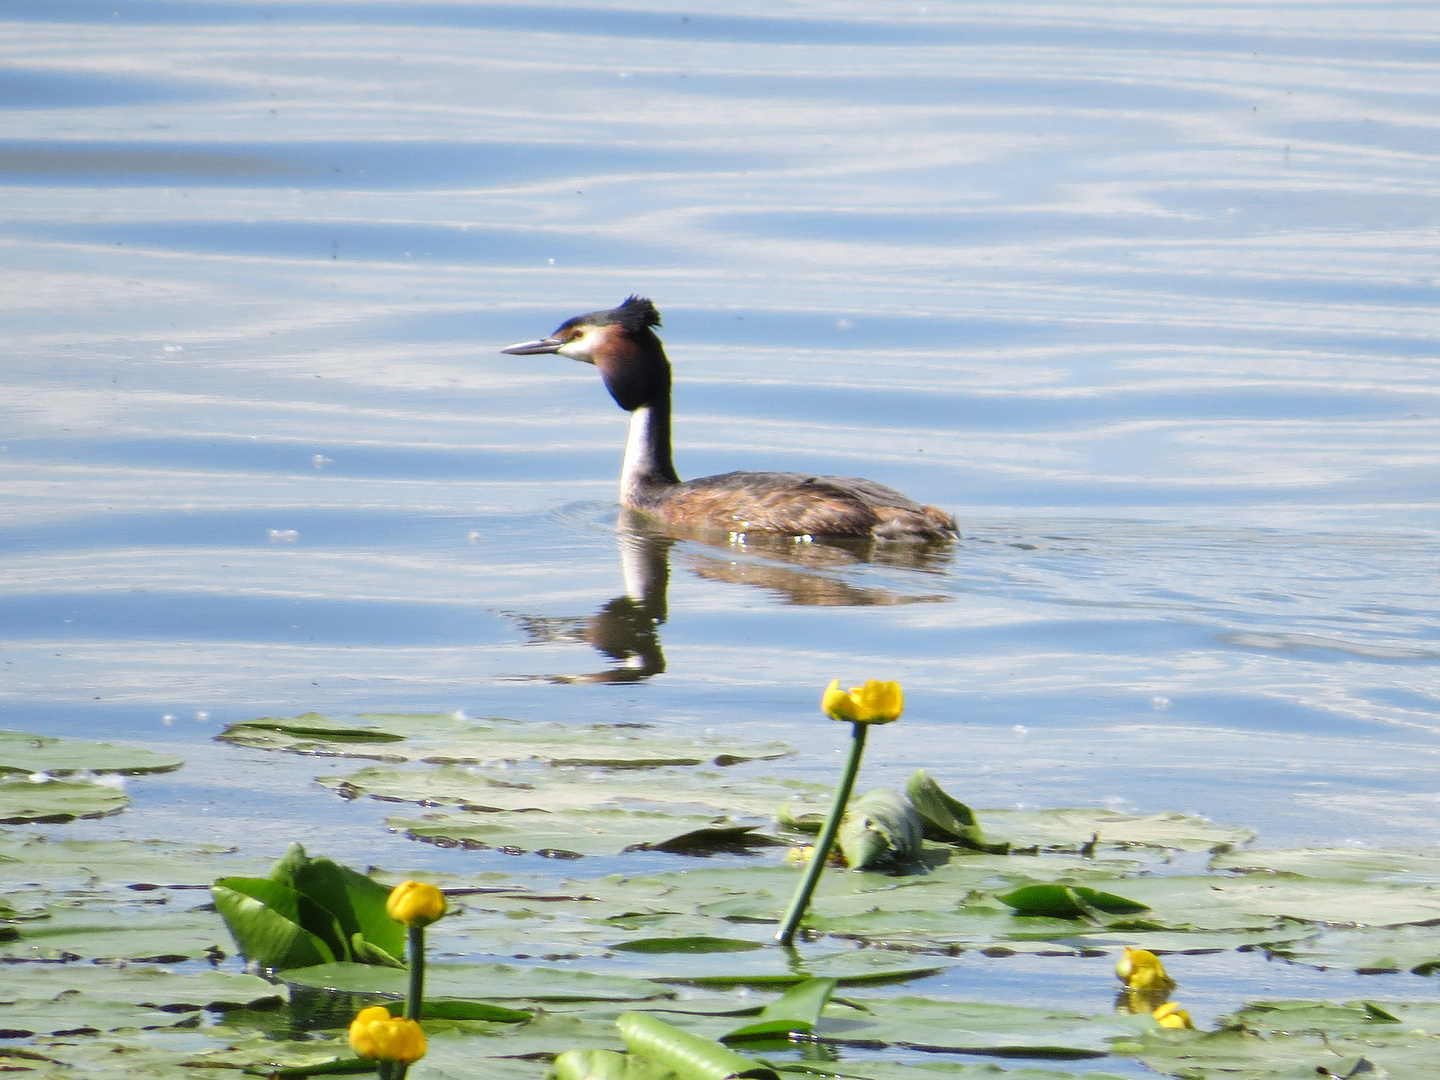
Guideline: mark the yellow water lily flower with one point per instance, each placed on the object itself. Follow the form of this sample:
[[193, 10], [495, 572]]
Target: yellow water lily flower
[[874, 703], [377, 1036], [1140, 969], [415, 903], [1171, 1015]]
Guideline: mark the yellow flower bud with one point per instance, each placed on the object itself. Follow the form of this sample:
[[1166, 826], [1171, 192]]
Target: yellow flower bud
[[415, 903], [874, 703], [377, 1036], [1141, 970], [1171, 1015]]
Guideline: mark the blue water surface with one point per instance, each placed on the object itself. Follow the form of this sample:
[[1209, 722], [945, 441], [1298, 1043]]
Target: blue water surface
[[1146, 296]]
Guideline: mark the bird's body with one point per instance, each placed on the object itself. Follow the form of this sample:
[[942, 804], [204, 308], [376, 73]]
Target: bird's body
[[632, 362]]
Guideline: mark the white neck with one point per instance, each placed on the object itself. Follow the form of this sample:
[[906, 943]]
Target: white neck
[[647, 455]]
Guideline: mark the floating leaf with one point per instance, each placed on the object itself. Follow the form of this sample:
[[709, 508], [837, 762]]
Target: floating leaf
[[499, 981], [690, 945], [64, 757], [451, 739], [1055, 901], [55, 802], [1072, 829]]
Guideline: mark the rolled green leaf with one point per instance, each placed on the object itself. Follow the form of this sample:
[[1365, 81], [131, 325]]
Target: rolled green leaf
[[607, 1065], [273, 925], [946, 818], [881, 828], [356, 901], [689, 1056]]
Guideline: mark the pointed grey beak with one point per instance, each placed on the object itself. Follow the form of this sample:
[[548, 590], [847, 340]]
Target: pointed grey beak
[[533, 348]]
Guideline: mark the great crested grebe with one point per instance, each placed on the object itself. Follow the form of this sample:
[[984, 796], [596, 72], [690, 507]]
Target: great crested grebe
[[632, 362]]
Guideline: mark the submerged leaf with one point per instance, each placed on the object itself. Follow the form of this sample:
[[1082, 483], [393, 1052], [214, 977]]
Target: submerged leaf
[[881, 828]]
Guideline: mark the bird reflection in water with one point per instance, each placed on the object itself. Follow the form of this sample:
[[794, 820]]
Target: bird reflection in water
[[794, 570]]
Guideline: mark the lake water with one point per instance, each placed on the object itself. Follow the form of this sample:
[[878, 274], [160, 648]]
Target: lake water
[[1146, 296]]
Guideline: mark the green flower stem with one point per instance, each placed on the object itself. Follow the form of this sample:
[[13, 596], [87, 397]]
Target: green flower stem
[[416, 995], [786, 934]]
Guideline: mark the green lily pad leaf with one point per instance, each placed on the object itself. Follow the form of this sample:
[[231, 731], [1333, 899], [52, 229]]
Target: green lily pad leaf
[[123, 867], [1368, 950], [311, 733], [453, 739], [688, 945], [275, 926], [145, 984], [688, 1055], [1286, 1039], [975, 1027], [1055, 901], [55, 802], [686, 790], [44, 999], [797, 1012], [499, 981], [1072, 829], [844, 968], [161, 936], [946, 818], [64, 757], [881, 828], [462, 1009], [607, 1065], [1251, 902], [562, 834], [1335, 864]]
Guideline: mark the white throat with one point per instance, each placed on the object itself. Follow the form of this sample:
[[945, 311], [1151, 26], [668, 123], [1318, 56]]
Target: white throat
[[639, 464]]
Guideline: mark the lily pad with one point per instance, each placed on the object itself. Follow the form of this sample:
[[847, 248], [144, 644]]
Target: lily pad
[[54, 802], [560, 834], [1072, 829], [483, 981], [1289, 1039], [21, 753], [453, 739], [47, 999]]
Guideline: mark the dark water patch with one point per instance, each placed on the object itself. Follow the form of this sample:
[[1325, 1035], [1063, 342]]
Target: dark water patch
[[22, 88], [365, 165]]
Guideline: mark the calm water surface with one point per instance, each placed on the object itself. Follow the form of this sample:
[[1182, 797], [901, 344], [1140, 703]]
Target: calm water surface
[[1146, 296]]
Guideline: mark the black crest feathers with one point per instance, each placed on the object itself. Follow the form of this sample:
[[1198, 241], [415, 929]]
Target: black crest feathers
[[635, 314]]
